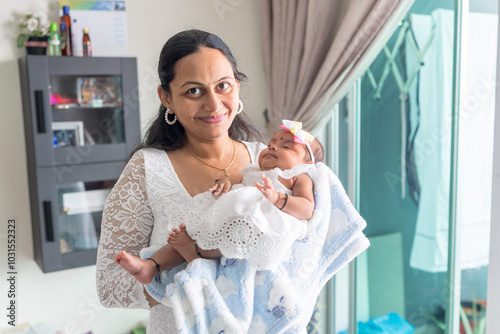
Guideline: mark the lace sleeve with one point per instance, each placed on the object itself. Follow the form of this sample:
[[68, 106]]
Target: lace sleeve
[[126, 225]]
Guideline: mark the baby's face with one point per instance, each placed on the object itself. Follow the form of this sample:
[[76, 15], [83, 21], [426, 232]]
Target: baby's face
[[282, 152]]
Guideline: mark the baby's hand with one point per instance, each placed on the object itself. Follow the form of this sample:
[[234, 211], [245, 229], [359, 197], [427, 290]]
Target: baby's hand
[[267, 189], [220, 187]]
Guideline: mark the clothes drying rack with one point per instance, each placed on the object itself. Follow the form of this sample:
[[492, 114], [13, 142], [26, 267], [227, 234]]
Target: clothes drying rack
[[390, 66]]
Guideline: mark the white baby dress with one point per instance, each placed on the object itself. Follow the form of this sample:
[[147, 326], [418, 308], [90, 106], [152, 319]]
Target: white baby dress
[[242, 223]]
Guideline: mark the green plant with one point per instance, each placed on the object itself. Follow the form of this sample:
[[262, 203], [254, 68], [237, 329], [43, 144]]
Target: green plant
[[478, 319], [30, 25], [478, 313]]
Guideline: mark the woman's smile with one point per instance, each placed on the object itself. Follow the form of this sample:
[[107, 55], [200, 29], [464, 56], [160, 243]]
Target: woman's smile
[[214, 119]]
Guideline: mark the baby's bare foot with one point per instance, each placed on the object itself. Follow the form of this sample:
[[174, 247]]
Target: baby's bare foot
[[183, 243], [143, 270]]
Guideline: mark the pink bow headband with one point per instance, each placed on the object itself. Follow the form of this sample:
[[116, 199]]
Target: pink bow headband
[[299, 136]]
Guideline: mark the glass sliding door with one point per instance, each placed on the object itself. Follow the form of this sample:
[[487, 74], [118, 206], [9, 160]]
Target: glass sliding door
[[417, 162], [419, 174], [406, 135], [475, 160]]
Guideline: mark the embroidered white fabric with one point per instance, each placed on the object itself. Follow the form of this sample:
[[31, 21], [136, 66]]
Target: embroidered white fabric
[[242, 223], [137, 215]]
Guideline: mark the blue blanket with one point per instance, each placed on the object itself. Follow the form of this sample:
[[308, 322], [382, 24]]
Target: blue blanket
[[230, 296]]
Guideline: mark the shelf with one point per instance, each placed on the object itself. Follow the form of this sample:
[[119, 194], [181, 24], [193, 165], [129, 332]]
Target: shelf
[[78, 106], [77, 143], [75, 203]]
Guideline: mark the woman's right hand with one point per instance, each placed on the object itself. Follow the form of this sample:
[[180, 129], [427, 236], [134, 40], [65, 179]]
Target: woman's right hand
[[220, 187]]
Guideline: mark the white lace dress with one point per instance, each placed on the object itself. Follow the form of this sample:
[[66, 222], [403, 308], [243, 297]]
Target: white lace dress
[[242, 223], [137, 215]]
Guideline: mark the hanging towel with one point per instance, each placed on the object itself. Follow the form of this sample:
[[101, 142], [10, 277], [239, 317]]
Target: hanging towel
[[430, 104], [230, 295]]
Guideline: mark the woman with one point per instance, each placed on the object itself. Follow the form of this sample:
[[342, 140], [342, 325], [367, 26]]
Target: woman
[[195, 139]]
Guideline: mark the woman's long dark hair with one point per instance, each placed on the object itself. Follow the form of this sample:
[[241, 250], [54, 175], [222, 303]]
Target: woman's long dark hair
[[166, 137]]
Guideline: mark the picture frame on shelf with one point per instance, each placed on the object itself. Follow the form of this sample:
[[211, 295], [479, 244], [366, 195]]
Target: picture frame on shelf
[[67, 134]]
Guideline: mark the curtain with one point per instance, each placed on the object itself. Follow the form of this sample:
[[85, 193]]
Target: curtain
[[314, 50]]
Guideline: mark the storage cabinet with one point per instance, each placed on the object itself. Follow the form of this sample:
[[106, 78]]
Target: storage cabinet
[[81, 118]]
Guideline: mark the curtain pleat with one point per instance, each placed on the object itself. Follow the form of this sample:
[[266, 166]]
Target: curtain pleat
[[311, 48], [297, 33]]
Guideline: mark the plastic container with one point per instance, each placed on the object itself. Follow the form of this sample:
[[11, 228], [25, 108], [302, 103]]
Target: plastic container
[[54, 42]]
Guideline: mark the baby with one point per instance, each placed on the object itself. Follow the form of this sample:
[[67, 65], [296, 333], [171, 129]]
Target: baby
[[268, 217]]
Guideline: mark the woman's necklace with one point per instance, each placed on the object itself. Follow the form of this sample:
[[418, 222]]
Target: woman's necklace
[[221, 169]]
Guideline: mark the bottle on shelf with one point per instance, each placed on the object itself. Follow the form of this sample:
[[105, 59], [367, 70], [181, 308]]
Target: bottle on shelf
[[87, 46], [63, 33], [54, 42], [65, 26]]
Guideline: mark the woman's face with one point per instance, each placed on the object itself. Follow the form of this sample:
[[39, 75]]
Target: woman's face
[[282, 152], [204, 94]]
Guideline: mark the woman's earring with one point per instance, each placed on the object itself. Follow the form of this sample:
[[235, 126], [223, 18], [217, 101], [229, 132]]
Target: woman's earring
[[167, 120], [240, 108]]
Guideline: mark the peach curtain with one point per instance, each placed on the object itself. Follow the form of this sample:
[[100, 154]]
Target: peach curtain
[[314, 50]]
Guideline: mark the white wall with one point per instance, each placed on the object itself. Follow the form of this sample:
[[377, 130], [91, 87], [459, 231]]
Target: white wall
[[68, 299], [235, 21]]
